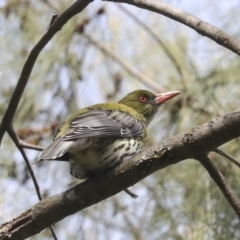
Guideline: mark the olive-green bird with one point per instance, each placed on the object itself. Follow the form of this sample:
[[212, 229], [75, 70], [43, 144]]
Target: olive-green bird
[[103, 135]]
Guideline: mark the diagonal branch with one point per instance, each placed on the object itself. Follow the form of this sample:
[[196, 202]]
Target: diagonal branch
[[222, 183], [59, 22], [227, 156], [15, 139], [202, 27], [203, 139]]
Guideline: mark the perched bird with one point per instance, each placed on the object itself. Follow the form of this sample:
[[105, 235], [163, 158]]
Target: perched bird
[[103, 135]]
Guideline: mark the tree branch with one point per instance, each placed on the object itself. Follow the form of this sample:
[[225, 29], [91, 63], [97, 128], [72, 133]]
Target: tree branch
[[201, 139], [16, 140], [227, 156], [29, 145], [219, 179], [56, 25], [202, 27]]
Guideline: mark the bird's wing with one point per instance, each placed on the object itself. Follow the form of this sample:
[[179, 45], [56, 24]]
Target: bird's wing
[[104, 123], [93, 123]]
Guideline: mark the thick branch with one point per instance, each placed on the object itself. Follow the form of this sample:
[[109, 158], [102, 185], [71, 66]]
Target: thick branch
[[203, 28], [62, 19], [203, 139]]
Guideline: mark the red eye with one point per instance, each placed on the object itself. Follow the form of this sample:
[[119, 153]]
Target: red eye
[[143, 99]]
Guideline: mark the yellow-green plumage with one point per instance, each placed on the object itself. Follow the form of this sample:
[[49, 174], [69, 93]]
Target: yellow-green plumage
[[105, 107], [103, 135]]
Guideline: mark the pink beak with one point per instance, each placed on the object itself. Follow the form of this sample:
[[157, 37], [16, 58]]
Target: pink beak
[[163, 97]]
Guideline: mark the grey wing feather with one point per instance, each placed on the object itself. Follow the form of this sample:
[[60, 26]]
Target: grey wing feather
[[55, 150], [99, 123]]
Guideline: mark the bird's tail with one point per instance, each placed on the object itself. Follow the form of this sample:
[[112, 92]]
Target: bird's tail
[[55, 151]]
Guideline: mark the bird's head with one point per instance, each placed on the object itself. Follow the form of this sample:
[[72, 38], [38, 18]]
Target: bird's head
[[146, 102]]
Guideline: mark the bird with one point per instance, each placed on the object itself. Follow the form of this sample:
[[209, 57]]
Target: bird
[[101, 136]]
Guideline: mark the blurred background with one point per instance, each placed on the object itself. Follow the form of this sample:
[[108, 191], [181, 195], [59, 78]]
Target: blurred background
[[94, 59]]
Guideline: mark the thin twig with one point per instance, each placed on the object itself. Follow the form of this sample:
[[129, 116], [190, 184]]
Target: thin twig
[[129, 192], [15, 139], [29, 145], [52, 20], [53, 233], [222, 183], [127, 67], [229, 157]]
